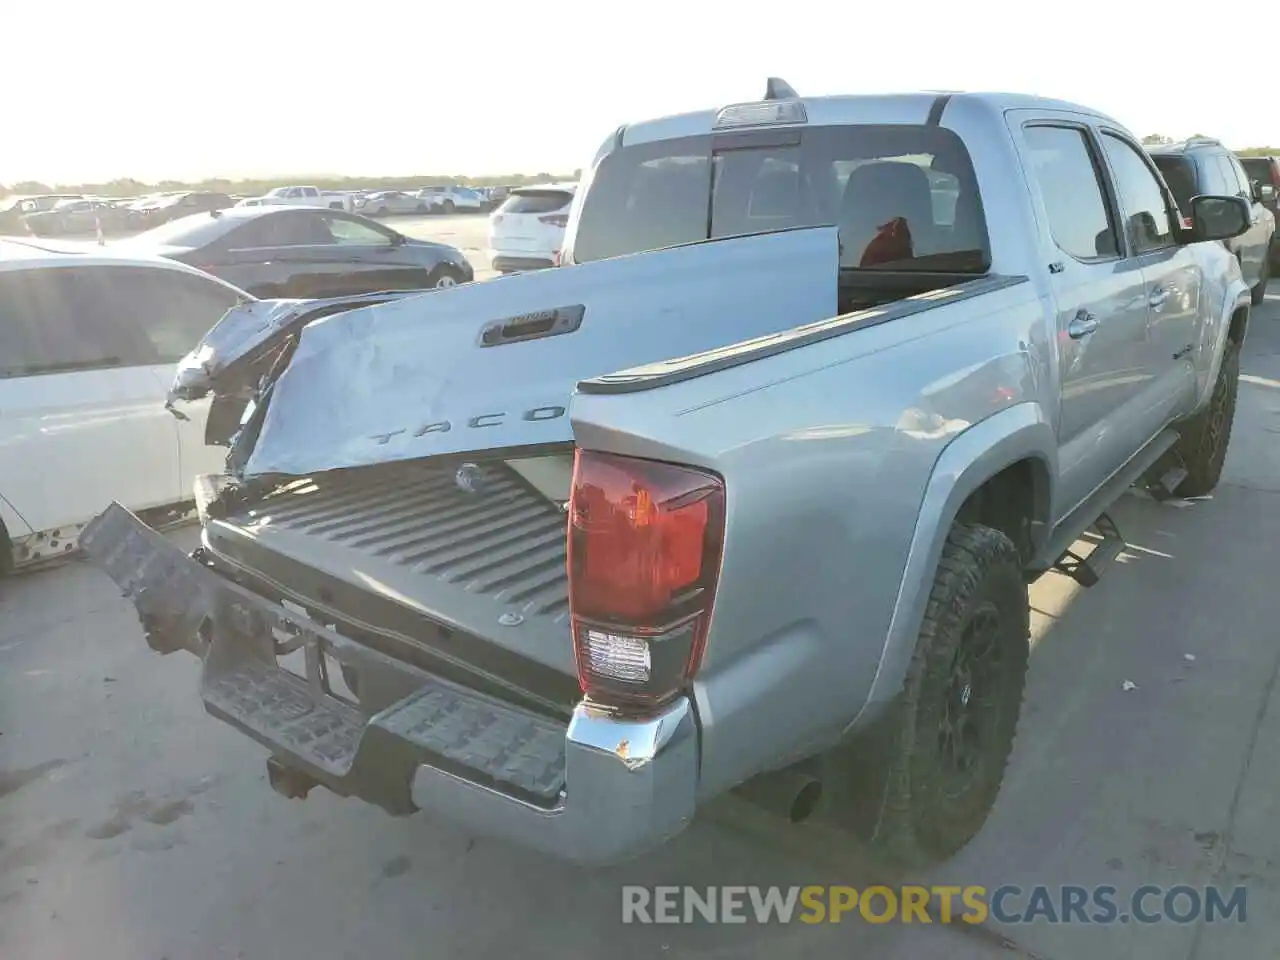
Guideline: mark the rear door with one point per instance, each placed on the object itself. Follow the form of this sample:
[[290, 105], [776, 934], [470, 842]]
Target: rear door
[[82, 418], [274, 254], [1100, 301], [174, 310]]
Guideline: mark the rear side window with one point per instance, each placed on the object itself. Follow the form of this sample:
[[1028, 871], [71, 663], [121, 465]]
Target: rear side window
[[536, 201], [281, 229], [1242, 178], [1067, 173], [1180, 174], [57, 320], [1231, 180], [1213, 176], [903, 196]]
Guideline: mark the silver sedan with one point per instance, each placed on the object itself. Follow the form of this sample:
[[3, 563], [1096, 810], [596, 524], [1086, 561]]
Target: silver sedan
[[387, 202]]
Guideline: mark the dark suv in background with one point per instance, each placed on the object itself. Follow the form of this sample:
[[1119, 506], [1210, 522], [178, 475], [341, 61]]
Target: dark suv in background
[[1203, 165], [1266, 171]]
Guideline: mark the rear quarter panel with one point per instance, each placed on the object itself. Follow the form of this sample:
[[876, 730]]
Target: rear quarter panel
[[828, 452]]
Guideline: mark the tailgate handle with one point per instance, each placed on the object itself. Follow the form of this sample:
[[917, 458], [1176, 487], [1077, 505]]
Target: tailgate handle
[[533, 326]]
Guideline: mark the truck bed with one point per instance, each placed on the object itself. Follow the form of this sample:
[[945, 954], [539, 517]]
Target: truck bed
[[477, 578]]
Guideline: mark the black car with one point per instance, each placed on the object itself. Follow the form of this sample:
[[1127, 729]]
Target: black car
[[1202, 165], [304, 252], [147, 214]]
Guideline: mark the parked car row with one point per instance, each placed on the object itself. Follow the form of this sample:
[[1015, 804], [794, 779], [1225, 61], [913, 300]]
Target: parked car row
[[91, 334]]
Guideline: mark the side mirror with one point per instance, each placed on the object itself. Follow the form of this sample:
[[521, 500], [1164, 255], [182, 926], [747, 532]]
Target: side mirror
[[1266, 192], [1255, 191], [1219, 218]]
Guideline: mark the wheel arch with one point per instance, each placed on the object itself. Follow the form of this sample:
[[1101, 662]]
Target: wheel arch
[[1238, 327], [999, 472]]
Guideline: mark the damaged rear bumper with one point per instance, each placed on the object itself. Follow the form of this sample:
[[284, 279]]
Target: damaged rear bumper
[[597, 790]]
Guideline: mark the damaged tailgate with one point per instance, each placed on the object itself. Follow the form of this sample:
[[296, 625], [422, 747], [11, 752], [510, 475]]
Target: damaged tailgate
[[492, 366], [233, 356]]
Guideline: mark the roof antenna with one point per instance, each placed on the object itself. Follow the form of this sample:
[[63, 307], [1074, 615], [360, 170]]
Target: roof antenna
[[778, 89]]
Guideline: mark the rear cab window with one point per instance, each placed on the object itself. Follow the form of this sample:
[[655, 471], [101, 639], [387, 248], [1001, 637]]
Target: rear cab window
[[903, 196], [1179, 173], [536, 201]]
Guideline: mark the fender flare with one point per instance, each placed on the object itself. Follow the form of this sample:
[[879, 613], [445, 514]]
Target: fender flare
[[975, 456], [1236, 298]]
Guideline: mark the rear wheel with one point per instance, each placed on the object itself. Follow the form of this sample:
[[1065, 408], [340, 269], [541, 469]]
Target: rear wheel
[[447, 207], [1203, 440], [1258, 293], [951, 731]]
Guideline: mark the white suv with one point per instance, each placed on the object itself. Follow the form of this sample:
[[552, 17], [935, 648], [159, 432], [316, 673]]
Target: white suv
[[89, 343], [527, 231]]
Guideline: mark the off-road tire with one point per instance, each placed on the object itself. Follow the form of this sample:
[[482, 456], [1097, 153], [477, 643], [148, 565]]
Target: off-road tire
[[1258, 293], [918, 823], [1203, 439]]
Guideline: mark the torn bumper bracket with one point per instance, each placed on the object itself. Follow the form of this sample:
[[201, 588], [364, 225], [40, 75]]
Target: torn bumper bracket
[[595, 789]]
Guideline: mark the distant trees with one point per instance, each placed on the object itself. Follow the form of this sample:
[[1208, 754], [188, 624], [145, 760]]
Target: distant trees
[[129, 187], [1159, 139]]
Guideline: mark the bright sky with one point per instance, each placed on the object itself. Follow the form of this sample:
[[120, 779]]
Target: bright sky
[[151, 90]]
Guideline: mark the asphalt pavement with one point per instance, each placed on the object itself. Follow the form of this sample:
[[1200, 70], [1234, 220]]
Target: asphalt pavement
[[135, 827]]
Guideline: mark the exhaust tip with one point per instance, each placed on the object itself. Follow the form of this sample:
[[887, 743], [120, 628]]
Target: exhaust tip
[[805, 802], [791, 794]]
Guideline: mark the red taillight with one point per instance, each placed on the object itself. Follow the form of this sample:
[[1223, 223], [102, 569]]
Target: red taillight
[[644, 555], [555, 259], [554, 219], [1188, 223]]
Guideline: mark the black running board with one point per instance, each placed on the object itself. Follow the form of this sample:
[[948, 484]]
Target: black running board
[[1091, 522]]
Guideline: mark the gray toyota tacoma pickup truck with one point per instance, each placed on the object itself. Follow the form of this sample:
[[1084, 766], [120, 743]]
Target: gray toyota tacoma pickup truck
[[745, 496]]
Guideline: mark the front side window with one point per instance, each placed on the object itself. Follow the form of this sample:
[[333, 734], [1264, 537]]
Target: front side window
[[1068, 175], [903, 197], [1146, 213]]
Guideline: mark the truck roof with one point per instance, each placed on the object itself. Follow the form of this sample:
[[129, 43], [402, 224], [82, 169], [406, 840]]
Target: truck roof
[[912, 107]]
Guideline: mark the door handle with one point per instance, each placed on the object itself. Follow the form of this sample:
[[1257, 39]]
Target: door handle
[[1082, 324], [1158, 297]]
